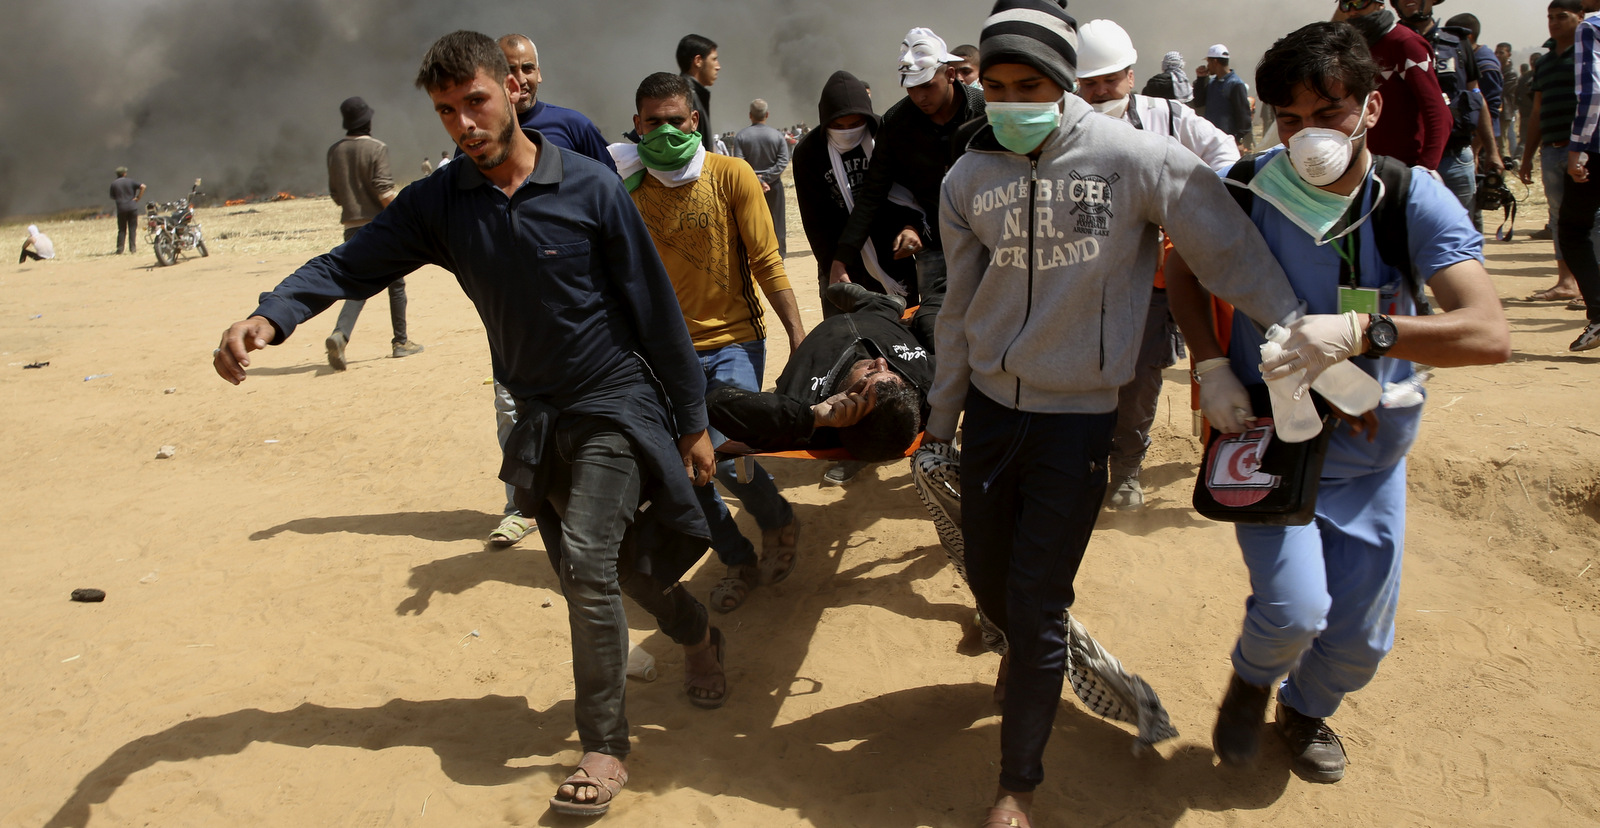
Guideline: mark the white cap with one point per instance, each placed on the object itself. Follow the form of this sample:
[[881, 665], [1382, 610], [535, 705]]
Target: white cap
[[1103, 48], [921, 55], [1218, 51]]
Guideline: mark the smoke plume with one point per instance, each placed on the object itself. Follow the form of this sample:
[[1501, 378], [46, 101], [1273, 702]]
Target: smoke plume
[[245, 94]]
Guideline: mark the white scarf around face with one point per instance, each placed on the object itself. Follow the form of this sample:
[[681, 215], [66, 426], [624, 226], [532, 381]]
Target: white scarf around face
[[898, 195]]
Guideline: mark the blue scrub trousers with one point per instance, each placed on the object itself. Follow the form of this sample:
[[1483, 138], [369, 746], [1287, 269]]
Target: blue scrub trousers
[[1323, 595]]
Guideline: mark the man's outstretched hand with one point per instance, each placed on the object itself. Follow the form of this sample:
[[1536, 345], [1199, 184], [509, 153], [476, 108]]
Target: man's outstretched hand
[[233, 355]]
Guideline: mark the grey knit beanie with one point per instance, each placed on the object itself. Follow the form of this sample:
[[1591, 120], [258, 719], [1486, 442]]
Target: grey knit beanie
[[1037, 33]]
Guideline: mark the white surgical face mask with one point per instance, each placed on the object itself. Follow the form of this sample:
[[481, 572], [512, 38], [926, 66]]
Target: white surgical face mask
[[1115, 109], [844, 140], [1321, 156], [978, 85]]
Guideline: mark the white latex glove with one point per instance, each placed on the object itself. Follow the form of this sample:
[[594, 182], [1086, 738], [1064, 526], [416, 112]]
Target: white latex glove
[[1316, 342], [1223, 399]]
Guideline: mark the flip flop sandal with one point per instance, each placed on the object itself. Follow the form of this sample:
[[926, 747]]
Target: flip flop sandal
[[692, 680], [1577, 305], [778, 559], [1549, 295], [607, 774], [730, 593], [1006, 818], [511, 530]]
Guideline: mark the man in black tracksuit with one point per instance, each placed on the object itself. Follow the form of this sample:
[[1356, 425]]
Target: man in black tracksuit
[[917, 146], [849, 131], [859, 381]]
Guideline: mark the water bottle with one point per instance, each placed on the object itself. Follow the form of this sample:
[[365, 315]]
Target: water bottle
[[1348, 388], [1406, 393], [641, 665], [1294, 421]]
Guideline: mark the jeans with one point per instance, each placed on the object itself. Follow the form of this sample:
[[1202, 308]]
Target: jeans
[[28, 254], [1137, 401], [1553, 174], [930, 291], [1460, 174], [1031, 491], [592, 501], [127, 228], [505, 418], [352, 307], [1575, 234], [780, 218], [1323, 596], [740, 365]]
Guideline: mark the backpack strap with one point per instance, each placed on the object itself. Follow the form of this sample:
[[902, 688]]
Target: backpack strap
[[1392, 230], [1240, 175]]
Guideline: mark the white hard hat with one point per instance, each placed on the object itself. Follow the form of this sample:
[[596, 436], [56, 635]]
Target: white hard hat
[[1103, 48]]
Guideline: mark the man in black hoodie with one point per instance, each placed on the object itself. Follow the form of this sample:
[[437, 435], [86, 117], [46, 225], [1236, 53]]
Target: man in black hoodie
[[844, 148], [697, 60]]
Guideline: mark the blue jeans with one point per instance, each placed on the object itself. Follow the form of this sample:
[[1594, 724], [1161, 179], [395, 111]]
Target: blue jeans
[[593, 498], [1323, 595], [1460, 173], [1031, 491], [1553, 174], [740, 365]]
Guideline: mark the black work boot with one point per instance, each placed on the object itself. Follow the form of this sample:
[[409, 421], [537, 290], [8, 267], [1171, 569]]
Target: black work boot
[[1237, 735], [1318, 752]]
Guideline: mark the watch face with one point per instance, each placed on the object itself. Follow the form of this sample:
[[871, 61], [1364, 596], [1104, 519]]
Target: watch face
[[1382, 334]]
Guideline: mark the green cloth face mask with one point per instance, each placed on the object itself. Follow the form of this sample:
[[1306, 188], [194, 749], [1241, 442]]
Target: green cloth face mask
[[668, 148], [1313, 209]]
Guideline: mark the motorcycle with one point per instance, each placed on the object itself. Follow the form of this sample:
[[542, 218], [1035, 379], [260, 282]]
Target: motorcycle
[[176, 231]]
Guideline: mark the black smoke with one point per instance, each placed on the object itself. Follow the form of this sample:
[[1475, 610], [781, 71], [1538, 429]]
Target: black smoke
[[245, 94]]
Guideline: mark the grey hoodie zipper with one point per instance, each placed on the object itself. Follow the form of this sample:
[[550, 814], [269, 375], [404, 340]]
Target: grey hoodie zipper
[[1033, 187]]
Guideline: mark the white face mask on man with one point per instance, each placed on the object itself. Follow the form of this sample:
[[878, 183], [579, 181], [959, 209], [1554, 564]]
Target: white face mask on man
[[1115, 109], [1321, 156], [844, 140]]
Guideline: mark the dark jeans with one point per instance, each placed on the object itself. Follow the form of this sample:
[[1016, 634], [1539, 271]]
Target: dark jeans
[[1137, 401], [127, 228], [1030, 492], [740, 365], [593, 497], [352, 307], [28, 254], [1573, 227], [780, 217]]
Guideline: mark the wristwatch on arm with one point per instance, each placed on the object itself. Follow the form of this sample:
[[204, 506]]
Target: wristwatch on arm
[[1380, 335]]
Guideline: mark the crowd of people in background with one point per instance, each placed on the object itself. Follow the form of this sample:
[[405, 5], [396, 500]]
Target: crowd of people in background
[[1008, 256]]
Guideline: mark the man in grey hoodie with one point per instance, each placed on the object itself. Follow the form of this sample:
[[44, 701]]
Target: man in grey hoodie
[[1050, 225]]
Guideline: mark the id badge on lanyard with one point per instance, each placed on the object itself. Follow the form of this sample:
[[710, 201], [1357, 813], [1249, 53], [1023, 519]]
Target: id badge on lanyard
[[1351, 296]]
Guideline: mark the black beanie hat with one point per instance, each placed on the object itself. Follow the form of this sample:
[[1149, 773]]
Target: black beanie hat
[[1038, 33], [357, 115]]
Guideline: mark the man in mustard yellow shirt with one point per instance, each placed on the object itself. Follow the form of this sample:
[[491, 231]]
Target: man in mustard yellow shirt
[[711, 226]]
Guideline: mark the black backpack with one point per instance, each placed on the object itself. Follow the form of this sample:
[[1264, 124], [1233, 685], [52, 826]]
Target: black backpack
[[1453, 63], [1389, 226], [1160, 85]]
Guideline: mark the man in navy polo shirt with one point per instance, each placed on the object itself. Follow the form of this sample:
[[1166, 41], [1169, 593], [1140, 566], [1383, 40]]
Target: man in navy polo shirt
[[584, 331]]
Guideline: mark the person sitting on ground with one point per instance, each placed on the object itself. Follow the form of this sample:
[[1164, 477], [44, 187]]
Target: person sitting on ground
[[859, 381], [42, 247]]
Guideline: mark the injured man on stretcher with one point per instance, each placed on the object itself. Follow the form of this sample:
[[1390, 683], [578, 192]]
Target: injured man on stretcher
[[859, 382]]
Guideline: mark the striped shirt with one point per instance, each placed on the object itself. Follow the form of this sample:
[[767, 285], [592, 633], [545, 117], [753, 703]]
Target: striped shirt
[[1586, 75], [1558, 101]]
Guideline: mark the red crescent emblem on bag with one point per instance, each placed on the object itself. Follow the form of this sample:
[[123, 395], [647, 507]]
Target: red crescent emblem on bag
[[1233, 467]]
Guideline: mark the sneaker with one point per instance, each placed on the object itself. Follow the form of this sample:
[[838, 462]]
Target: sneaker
[[1588, 340], [336, 343], [843, 472], [406, 348], [1128, 495], [1318, 752], [1237, 736]]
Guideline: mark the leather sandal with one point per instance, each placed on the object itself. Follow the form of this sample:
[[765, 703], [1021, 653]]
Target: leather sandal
[[595, 770]]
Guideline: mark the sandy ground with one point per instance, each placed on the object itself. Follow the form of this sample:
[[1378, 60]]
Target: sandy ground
[[304, 625]]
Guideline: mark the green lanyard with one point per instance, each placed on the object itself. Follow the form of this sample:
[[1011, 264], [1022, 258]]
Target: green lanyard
[[1349, 251]]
